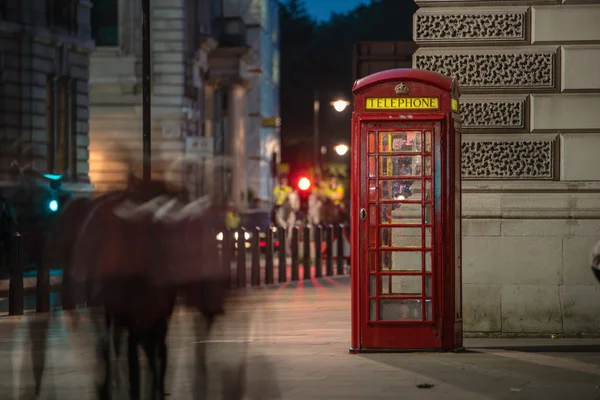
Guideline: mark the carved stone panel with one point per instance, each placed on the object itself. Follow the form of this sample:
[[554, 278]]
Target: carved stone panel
[[508, 160], [493, 114], [470, 27], [494, 70]]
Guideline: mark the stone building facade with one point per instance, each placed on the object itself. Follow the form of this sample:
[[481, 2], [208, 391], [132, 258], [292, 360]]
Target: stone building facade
[[44, 69], [263, 141], [207, 81], [116, 86], [528, 71]]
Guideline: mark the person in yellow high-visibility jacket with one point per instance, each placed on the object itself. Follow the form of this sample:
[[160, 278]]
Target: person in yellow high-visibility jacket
[[281, 191], [280, 194], [334, 191], [232, 218], [320, 186]]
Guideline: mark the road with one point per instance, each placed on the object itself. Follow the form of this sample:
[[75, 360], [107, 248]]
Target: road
[[297, 337]]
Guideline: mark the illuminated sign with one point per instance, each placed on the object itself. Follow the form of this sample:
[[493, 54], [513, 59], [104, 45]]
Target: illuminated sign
[[283, 168], [454, 105], [270, 122], [402, 103]]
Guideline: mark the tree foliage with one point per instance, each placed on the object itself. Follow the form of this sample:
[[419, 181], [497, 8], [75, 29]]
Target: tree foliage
[[297, 67], [319, 56]]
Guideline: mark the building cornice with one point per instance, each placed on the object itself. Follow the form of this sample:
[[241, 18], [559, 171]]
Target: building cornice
[[487, 186]]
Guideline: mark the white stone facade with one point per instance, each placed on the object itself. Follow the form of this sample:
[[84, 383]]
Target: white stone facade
[[530, 102], [116, 86], [207, 80], [263, 139]]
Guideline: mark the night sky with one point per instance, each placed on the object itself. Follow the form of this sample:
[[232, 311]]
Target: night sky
[[321, 9]]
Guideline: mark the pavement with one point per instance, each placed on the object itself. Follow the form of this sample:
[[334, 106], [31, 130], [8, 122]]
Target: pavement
[[295, 338]]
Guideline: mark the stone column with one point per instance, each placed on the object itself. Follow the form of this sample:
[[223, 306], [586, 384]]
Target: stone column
[[237, 142], [130, 27], [528, 73], [208, 112]]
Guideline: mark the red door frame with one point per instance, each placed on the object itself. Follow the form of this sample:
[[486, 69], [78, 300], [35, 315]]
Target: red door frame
[[428, 333]]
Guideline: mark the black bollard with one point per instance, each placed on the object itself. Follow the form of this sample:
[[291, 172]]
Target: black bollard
[[269, 256], [67, 290], [255, 269], [241, 258], [282, 259], [295, 261], [306, 255], [226, 252], [318, 251], [42, 286], [340, 249], [329, 249], [42, 289], [15, 288]]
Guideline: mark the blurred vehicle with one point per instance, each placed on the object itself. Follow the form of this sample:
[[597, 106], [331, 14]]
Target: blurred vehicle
[[248, 242]]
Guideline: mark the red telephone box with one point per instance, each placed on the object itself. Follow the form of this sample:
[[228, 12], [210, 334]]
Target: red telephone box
[[406, 222]]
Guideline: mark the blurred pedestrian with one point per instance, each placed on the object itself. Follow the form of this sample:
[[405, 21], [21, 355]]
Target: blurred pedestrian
[[232, 218], [8, 227]]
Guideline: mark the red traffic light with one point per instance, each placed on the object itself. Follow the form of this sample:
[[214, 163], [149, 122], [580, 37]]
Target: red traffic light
[[304, 183]]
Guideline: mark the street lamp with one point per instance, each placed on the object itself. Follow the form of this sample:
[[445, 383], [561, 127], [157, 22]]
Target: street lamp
[[340, 105], [341, 149]]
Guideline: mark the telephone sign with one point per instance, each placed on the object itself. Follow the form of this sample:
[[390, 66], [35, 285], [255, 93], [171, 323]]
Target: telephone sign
[[408, 103]]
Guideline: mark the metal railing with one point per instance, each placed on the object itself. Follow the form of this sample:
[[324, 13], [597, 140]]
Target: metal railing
[[313, 252], [265, 259]]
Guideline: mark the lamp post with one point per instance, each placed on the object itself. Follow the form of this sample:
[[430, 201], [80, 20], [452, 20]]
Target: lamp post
[[316, 106], [341, 149], [339, 106]]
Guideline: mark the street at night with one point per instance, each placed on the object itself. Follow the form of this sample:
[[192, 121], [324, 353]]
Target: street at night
[[297, 343], [299, 199]]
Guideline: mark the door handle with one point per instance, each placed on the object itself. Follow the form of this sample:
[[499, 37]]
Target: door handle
[[363, 214]]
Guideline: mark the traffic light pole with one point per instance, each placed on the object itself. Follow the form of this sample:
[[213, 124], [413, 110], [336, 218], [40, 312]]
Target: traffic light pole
[[146, 91]]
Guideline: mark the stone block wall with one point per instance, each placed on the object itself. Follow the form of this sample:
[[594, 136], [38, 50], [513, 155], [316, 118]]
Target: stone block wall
[[263, 97], [530, 104], [116, 94], [35, 50]]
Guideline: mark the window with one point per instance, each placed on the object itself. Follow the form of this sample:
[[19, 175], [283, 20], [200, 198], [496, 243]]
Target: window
[[59, 125], [105, 22], [73, 130], [216, 8], [63, 127], [62, 15], [191, 24], [50, 127], [220, 120], [203, 18]]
